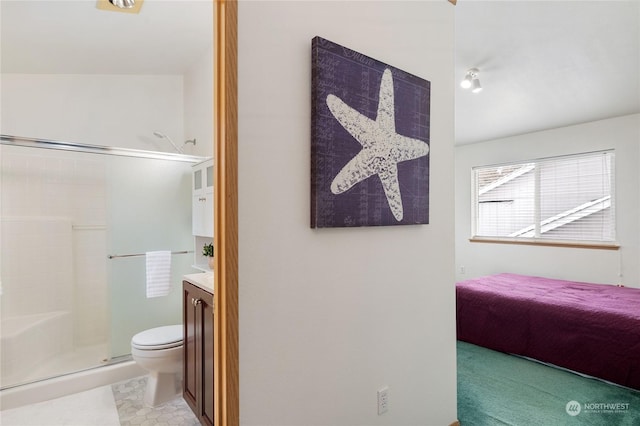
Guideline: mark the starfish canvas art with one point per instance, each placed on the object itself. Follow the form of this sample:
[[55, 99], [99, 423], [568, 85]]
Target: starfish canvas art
[[370, 141]]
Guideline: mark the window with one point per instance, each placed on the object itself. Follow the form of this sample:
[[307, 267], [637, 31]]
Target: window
[[562, 199]]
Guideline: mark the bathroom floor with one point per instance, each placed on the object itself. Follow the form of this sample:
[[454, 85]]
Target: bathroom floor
[[117, 405]]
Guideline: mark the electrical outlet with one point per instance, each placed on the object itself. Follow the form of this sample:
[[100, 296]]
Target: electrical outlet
[[463, 270], [383, 400]]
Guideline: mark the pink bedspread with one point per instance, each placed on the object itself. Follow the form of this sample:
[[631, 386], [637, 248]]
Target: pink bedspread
[[589, 328]]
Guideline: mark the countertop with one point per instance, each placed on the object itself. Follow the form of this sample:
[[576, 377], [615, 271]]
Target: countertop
[[204, 280]]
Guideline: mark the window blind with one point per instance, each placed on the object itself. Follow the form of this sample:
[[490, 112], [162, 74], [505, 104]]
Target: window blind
[[569, 198]]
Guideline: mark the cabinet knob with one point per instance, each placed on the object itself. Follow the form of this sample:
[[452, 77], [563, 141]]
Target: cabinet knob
[[196, 302]]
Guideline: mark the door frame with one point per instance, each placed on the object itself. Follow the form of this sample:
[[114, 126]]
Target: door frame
[[225, 318]]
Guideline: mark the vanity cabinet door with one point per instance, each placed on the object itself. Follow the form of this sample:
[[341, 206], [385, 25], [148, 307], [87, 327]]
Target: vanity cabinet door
[[206, 399], [190, 360], [198, 351]]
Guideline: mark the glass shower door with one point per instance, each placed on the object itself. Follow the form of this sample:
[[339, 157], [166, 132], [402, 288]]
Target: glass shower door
[[149, 209]]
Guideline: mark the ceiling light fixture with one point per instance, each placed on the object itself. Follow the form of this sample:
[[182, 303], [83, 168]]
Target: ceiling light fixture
[[123, 4], [471, 80]]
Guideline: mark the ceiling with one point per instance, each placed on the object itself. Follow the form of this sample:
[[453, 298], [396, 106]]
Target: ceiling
[[543, 64], [75, 37]]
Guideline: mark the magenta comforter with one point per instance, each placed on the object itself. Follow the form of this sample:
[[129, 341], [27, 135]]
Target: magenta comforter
[[589, 328]]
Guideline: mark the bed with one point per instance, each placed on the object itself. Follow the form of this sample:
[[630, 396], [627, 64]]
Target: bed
[[592, 329]]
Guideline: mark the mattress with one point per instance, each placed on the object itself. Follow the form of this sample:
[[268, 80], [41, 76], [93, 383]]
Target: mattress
[[590, 328]]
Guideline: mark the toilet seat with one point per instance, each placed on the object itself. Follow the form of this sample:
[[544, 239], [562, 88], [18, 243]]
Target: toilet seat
[[167, 337]]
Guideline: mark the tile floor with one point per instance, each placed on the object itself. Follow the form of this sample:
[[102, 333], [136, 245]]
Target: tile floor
[[132, 411], [117, 405]]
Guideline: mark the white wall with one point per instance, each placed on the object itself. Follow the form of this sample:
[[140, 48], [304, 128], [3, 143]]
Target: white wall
[[329, 316], [198, 104], [600, 266], [112, 110]]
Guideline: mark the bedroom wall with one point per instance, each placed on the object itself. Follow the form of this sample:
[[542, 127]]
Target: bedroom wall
[[329, 316], [602, 266]]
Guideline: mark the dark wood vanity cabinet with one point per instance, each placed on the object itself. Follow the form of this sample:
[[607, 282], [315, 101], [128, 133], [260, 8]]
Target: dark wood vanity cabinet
[[198, 351]]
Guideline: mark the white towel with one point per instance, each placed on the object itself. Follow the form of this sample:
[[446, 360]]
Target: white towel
[[158, 273]]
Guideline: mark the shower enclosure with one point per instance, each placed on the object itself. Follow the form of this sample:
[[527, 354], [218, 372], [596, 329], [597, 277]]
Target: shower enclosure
[[76, 221]]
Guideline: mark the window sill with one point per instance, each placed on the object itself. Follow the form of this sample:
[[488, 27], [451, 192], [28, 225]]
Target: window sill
[[550, 243]]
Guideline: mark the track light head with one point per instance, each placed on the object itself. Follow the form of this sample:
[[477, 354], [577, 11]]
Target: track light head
[[466, 82], [476, 86], [471, 80]]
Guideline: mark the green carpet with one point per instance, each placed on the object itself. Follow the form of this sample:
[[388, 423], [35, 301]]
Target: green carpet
[[499, 389]]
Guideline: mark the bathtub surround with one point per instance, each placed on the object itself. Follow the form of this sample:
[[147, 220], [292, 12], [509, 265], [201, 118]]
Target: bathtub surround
[[78, 359], [50, 332], [63, 298], [35, 249], [53, 230], [68, 384]]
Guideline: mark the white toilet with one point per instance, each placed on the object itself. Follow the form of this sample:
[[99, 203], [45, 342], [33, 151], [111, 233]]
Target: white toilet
[[159, 351]]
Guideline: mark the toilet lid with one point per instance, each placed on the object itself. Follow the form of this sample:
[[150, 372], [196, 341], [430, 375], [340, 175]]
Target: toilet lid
[[165, 337]]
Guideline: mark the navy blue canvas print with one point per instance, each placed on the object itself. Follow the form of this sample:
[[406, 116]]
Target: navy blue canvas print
[[369, 141]]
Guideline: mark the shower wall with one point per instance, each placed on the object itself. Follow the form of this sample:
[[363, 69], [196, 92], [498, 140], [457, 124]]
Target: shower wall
[[52, 208], [61, 214]]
